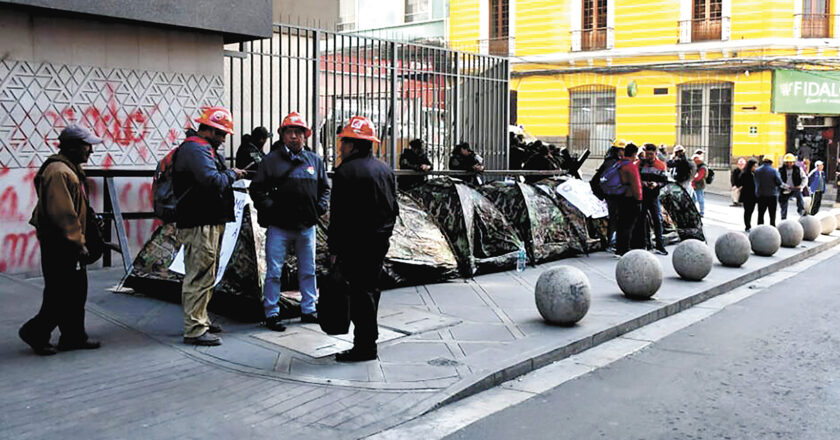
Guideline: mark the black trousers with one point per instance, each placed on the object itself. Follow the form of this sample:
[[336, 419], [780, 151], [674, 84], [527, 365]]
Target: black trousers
[[767, 203], [65, 293], [749, 208], [613, 202], [629, 211], [361, 264], [651, 217], [816, 201]]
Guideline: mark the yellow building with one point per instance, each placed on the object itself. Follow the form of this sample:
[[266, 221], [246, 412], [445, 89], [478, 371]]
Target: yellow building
[[695, 72]]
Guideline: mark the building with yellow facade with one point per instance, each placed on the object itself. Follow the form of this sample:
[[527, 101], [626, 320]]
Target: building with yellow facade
[[733, 78]]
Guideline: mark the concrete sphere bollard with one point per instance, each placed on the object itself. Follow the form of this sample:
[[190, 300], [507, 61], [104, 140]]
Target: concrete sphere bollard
[[765, 240], [563, 295], [828, 223], [836, 217], [732, 249], [692, 259], [811, 227], [639, 274], [791, 232]]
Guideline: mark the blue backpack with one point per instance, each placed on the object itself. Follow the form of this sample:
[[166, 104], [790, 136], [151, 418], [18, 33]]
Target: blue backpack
[[611, 180]]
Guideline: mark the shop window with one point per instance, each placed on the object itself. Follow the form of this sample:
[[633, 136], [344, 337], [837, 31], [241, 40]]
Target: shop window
[[706, 20], [592, 119], [594, 25], [815, 19], [705, 120]]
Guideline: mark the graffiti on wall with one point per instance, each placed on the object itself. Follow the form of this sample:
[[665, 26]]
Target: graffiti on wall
[[139, 114]]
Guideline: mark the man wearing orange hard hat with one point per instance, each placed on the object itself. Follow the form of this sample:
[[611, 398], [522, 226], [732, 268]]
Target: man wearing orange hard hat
[[290, 192], [363, 210], [203, 185]]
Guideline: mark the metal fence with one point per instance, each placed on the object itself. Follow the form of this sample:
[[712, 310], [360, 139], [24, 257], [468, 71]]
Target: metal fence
[[409, 91]]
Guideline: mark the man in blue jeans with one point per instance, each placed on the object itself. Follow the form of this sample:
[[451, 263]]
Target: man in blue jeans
[[290, 192]]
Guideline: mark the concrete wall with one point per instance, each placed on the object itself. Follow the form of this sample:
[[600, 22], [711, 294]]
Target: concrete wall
[[315, 13]]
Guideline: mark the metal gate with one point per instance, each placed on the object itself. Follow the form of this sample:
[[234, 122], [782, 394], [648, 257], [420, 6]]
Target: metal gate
[[409, 91]]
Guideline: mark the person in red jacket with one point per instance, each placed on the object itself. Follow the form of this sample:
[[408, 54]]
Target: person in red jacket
[[630, 205]]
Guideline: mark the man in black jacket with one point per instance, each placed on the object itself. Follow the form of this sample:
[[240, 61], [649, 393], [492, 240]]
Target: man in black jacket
[[416, 159], [204, 187], [363, 210], [290, 192], [463, 158], [792, 181], [250, 152], [614, 154]]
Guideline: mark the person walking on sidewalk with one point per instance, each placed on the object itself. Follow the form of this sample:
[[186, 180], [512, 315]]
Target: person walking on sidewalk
[[746, 181], [60, 219], [816, 183], [204, 187], [735, 181], [363, 211], [290, 192], [767, 183], [652, 173], [698, 182], [630, 203], [792, 181]]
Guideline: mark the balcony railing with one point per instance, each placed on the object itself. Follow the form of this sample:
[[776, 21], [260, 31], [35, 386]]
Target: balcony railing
[[815, 25], [499, 46], [704, 29], [593, 39]]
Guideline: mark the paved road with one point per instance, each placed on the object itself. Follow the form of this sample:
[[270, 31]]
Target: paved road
[[764, 368]]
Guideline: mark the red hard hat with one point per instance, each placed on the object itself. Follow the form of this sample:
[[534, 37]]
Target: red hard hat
[[294, 119], [217, 117], [359, 127]]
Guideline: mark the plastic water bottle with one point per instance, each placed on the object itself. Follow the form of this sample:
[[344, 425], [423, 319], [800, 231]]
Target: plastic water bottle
[[521, 259]]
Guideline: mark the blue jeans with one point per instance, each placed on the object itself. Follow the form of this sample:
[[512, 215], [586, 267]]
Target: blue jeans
[[277, 244], [700, 196]]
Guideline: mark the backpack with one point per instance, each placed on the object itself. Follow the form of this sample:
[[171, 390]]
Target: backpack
[[710, 175], [611, 180], [165, 201]]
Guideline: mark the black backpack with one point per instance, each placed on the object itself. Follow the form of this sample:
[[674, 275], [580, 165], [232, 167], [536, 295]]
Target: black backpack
[[710, 175]]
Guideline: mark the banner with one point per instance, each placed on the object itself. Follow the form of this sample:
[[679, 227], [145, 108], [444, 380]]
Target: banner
[[810, 92], [579, 193]]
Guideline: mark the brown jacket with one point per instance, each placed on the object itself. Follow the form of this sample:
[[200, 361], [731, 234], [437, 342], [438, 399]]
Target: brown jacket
[[62, 205]]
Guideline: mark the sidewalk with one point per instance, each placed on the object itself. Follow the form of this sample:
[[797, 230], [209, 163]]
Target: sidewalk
[[438, 343]]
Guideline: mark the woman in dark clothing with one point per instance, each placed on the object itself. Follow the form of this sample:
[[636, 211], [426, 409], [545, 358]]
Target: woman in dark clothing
[[748, 198]]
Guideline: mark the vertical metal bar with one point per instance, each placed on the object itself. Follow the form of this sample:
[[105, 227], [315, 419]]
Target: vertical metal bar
[[251, 82], [392, 114], [271, 80], [107, 208], [289, 74], [506, 97], [316, 93], [456, 104], [280, 74], [297, 74], [118, 222]]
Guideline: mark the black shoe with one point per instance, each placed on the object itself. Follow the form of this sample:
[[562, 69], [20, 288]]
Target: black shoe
[[660, 251], [215, 328], [205, 340], [273, 323], [40, 348], [83, 345], [309, 318], [355, 355]]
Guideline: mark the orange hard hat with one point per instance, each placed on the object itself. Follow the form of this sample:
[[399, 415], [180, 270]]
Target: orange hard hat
[[359, 127], [217, 117], [294, 119]]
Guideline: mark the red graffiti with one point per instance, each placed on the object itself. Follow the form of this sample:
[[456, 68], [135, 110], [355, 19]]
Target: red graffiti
[[9, 205], [19, 251]]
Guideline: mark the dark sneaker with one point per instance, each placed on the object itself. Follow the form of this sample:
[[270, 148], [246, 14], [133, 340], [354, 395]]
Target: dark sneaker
[[273, 323], [83, 345], [215, 328], [40, 348], [354, 355], [206, 339], [660, 251], [309, 318]]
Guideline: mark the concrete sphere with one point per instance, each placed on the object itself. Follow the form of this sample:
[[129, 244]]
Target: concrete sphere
[[692, 259], [836, 214], [563, 295], [811, 227], [791, 232], [828, 223], [765, 240], [639, 274], [732, 249]]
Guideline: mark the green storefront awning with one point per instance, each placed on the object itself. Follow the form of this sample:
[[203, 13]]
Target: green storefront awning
[[811, 92]]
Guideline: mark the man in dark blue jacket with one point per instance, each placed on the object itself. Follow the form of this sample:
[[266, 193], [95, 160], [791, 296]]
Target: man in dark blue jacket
[[290, 192], [767, 183], [363, 210], [204, 187]]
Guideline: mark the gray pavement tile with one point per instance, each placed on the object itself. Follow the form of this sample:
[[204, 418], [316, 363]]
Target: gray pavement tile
[[417, 373], [242, 352], [414, 351], [410, 320], [481, 332], [301, 367], [472, 313]]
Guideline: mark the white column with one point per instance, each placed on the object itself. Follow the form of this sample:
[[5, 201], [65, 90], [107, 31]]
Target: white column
[[685, 21], [726, 20], [511, 27], [610, 24], [797, 19], [575, 13], [484, 26]]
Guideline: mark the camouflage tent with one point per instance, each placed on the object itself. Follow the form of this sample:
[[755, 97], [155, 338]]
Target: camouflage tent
[[591, 231], [678, 206], [540, 223], [479, 234]]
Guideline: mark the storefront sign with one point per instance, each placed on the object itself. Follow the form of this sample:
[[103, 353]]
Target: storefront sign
[[812, 92]]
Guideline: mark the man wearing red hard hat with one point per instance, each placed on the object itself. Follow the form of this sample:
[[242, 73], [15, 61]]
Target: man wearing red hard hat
[[363, 210], [290, 192], [204, 187]]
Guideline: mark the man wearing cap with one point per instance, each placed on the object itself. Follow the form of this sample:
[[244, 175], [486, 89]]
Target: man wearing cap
[[363, 211], [290, 192], [816, 183], [792, 179], [60, 219], [204, 187]]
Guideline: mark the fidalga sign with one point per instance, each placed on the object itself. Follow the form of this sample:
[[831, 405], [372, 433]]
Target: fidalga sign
[[812, 92]]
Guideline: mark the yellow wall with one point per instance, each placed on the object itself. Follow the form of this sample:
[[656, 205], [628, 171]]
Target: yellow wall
[[463, 24], [646, 22], [542, 27]]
